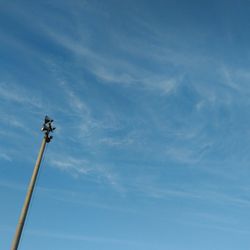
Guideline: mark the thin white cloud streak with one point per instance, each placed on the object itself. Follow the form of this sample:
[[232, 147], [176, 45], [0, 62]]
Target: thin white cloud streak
[[131, 139], [114, 70], [227, 78], [12, 185], [81, 119], [75, 102], [67, 236], [190, 155], [214, 218], [12, 120], [164, 193], [78, 167], [71, 165], [165, 48], [183, 155], [80, 237], [217, 226], [158, 50], [83, 123], [67, 196], [209, 195], [214, 221], [13, 93], [231, 86], [5, 156], [116, 142], [235, 78]]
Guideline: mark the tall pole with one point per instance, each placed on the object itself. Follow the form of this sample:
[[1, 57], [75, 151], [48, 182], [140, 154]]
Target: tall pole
[[47, 128]]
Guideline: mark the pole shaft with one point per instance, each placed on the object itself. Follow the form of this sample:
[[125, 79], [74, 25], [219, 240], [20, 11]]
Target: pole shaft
[[24, 211]]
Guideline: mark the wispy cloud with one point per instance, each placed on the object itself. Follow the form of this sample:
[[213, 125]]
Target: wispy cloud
[[236, 78], [72, 165], [68, 196], [12, 120], [76, 103], [5, 156], [116, 142], [218, 226], [113, 69], [12, 185], [163, 193], [189, 155], [80, 237], [69, 236], [80, 167], [14, 93], [209, 194], [82, 199]]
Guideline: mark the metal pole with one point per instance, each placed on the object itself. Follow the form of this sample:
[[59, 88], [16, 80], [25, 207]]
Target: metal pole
[[24, 211], [23, 214]]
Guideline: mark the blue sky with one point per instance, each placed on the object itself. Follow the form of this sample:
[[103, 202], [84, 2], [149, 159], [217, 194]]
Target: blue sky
[[151, 104]]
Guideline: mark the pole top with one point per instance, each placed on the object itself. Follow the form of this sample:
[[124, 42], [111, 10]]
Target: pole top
[[47, 128]]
